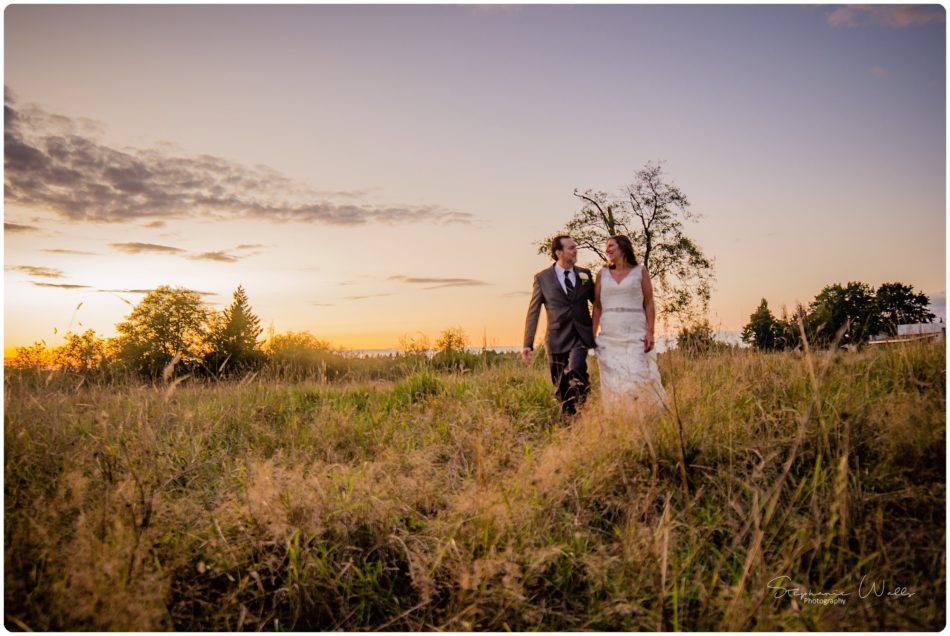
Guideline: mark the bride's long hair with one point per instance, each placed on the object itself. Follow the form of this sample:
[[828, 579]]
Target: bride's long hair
[[626, 247]]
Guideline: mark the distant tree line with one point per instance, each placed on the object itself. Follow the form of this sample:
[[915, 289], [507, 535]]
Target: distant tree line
[[172, 333], [839, 315]]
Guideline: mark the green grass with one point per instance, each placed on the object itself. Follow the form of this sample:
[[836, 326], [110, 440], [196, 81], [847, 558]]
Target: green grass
[[459, 502]]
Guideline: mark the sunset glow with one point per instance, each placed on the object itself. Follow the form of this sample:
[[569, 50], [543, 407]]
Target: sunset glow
[[370, 173]]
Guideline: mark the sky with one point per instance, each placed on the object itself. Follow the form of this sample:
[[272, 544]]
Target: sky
[[371, 173]]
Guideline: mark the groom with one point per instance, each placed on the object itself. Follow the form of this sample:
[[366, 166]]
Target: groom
[[564, 290]]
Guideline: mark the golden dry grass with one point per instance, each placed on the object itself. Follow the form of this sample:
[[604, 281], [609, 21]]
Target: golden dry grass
[[457, 502]]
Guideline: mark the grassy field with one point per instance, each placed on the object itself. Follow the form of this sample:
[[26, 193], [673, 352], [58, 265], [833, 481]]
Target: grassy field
[[782, 492]]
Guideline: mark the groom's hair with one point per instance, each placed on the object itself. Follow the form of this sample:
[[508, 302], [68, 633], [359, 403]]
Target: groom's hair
[[556, 245]]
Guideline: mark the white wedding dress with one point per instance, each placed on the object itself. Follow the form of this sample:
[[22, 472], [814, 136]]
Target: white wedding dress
[[627, 374]]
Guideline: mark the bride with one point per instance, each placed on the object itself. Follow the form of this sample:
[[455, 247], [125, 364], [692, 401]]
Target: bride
[[625, 315]]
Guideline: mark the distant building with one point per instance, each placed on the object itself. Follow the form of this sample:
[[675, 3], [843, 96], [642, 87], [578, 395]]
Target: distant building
[[921, 329], [936, 331]]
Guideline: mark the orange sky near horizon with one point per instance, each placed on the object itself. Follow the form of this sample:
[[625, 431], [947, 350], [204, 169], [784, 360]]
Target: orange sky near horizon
[[370, 173]]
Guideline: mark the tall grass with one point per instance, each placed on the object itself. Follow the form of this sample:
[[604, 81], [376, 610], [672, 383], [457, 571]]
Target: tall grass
[[461, 502]]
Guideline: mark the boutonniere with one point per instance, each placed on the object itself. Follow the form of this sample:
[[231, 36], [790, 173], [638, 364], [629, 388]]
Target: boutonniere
[[584, 278]]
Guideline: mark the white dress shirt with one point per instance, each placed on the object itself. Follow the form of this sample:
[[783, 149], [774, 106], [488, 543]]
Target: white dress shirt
[[560, 276]]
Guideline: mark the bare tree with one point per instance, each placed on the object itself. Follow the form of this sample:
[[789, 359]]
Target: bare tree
[[651, 212]]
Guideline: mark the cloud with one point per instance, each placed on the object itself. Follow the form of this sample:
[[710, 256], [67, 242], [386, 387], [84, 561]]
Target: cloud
[[366, 296], [322, 304], [61, 285], [219, 256], [126, 291], [249, 249], [886, 15], [138, 248], [880, 71], [148, 291], [346, 194], [16, 228], [62, 251], [53, 163], [45, 272], [515, 294], [438, 283], [155, 224]]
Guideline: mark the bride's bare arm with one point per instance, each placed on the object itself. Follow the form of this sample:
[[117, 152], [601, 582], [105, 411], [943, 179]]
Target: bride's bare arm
[[595, 314], [649, 308]]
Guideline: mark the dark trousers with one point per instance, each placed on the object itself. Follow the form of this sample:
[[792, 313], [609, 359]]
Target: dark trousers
[[569, 375]]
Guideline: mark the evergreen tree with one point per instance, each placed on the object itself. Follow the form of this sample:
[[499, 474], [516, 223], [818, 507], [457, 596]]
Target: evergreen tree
[[762, 330], [233, 337]]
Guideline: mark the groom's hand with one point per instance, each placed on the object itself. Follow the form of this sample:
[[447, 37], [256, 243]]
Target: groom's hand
[[526, 355]]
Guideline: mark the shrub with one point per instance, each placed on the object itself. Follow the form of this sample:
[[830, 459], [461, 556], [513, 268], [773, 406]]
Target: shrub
[[299, 355]]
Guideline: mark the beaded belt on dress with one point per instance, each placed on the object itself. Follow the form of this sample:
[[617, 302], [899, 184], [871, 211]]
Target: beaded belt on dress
[[640, 309]]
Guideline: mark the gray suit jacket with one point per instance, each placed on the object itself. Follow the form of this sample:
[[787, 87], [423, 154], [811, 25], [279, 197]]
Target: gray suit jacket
[[566, 316]]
